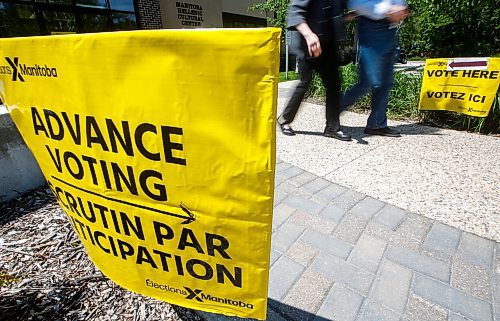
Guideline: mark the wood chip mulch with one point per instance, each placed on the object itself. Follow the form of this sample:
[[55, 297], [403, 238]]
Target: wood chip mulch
[[45, 273]]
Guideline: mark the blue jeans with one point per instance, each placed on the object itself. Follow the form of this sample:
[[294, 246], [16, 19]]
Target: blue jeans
[[377, 54]]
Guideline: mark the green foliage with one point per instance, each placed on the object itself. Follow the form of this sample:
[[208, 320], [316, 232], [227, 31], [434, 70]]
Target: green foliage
[[278, 7], [458, 28], [349, 76], [316, 89], [404, 99]]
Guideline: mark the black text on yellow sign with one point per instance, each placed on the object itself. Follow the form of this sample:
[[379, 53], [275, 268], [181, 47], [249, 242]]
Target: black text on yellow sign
[[112, 138], [164, 165], [469, 90]]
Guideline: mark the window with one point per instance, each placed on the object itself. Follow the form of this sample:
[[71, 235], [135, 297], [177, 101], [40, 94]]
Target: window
[[59, 22], [18, 20], [94, 23], [123, 21], [55, 1], [92, 3], [123, 5], [46, 17]]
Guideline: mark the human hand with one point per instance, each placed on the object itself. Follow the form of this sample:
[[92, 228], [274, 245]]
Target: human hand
[[312, 40], [313, 44], [397, 13]]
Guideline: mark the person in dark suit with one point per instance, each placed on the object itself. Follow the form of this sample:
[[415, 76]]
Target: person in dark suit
[[317, 29]]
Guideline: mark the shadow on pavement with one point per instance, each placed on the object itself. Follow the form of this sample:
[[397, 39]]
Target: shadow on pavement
[[358, 134], [290, 313], [276, 311]]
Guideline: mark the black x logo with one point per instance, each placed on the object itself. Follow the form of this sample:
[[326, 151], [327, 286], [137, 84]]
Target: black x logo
[[193, 294], [14, 64]]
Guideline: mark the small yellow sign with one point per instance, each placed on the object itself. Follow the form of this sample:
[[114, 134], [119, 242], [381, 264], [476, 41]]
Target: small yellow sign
[[463, 85], [160, 148]]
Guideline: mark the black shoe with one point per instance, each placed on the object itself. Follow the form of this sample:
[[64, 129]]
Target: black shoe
[[387, 131], [336, 134], [286, 129]]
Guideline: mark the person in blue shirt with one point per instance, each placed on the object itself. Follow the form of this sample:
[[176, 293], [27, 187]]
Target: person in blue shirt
[[377, 24]]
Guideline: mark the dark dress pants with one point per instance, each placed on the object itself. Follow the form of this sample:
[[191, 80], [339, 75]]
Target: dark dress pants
[[327, 67]]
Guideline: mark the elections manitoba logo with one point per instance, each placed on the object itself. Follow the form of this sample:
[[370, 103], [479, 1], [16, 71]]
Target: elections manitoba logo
[[198, 295], [20, 71]]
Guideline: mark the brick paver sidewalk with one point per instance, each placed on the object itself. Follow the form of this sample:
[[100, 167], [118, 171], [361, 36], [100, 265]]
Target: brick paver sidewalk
[[340, 255]]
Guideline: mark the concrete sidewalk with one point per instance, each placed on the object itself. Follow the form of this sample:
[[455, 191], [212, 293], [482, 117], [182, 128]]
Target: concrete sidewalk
[[338, 254], [358, 229]]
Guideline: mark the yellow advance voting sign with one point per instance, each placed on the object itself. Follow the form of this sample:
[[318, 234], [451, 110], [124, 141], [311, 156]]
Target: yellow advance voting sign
[[463, 85], [160, 148]]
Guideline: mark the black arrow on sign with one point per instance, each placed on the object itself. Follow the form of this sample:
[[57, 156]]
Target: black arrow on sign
[[189, 219], [464, 64], [188, 212]]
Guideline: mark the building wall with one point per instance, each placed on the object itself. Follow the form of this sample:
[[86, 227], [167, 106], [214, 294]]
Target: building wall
[[204, 13], [149, 14], [19, 172]]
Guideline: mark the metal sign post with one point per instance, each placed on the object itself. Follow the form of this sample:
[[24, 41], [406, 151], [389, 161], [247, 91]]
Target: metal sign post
[[287, 40]]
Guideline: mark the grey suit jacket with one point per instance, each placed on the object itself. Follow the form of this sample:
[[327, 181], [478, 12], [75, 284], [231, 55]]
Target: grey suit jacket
[[324, 17]]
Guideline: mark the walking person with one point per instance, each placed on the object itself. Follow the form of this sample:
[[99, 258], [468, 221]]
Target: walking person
[[317, 28], [377, 24]]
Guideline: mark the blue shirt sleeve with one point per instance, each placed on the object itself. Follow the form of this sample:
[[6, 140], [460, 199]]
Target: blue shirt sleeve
[[373, 9]]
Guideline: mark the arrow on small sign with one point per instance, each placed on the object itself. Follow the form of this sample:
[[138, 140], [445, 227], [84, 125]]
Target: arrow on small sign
[[465, 64]]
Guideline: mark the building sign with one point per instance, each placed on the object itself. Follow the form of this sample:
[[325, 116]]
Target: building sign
[[160, 148], [189, 14], [463, 85]]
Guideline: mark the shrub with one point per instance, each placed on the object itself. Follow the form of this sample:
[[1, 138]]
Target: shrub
[[459, 28], [404, 97]]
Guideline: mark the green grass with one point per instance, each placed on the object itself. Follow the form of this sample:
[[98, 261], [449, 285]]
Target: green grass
[[403, 104], [404, 98], [292, 75]]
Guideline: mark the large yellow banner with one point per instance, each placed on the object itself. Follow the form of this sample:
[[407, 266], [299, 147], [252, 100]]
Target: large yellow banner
[[463, 85], [160, 147]]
